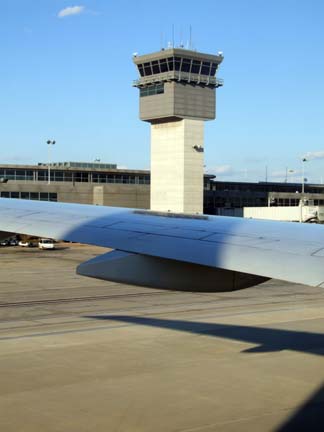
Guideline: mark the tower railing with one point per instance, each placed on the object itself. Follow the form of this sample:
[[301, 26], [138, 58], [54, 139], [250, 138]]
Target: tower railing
[[179, 76]]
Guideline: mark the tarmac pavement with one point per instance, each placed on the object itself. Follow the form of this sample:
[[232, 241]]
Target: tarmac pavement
[[79, 354]]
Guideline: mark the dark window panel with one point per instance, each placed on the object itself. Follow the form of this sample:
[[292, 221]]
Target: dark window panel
[[213, 69], [195, 68], [148, 68], [177, 62], [67, 176], [10, 174], [141, 70], [29, 175], [42, 175], [171, 63], [186, 63], [163, 65], [152, 90], [43, 196], [155, 67], [205, 69]]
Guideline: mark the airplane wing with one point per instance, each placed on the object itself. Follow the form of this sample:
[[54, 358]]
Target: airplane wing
[[185, 252]]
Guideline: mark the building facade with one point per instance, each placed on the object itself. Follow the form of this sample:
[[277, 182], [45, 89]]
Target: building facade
[[105, 184], [77, 183]]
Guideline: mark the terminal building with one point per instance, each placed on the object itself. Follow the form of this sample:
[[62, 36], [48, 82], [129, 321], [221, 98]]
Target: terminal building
[[105, 184], [77, 182]]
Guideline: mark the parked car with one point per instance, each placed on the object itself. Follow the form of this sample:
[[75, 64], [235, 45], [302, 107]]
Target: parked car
[[46, 244], [13, 242], [4, 243], [24, 243]]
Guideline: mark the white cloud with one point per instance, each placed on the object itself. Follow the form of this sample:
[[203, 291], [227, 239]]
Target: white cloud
[[222, 170], [314, 155], [71, 10], [292, 176]]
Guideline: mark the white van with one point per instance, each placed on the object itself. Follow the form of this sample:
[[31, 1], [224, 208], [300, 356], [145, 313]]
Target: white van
[[46, 244]]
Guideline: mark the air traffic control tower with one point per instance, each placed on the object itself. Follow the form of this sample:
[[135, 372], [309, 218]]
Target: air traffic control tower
[[177, 94]]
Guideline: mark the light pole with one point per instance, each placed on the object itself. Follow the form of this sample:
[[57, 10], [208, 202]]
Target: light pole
[[303, 175], [303, 188], [49, 143]]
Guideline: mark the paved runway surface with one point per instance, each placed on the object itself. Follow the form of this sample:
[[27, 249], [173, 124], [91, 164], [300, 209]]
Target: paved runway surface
[[79, 355]]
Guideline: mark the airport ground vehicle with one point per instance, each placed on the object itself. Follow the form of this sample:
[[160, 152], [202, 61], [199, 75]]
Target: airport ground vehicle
[[46, 244], [23, 243], [26, 243]]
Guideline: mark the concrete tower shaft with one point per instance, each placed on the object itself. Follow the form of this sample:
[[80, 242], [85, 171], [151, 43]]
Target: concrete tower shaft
[[177, 94]]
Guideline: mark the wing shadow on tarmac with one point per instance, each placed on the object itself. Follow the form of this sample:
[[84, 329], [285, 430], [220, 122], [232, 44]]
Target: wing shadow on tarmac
[[308, 417], [267, 339]]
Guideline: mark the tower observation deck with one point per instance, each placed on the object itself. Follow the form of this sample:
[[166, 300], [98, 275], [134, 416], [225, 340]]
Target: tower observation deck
[[177, 89]]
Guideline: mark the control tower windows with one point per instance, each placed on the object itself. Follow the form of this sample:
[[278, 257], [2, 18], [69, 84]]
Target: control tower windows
[[147, 69], [163, 65], [152, 90], [213, 69], [155, 67], [170, 64], [177, 63], [186, 63], [205, 69], [141, 69], [195, 67]]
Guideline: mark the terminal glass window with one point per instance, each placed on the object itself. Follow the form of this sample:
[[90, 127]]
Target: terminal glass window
[[81, 177], [20, 175], [29, 175], [58, 176], [67, 176], [34, 195], [42, 175], [38, 196], [10, 174]]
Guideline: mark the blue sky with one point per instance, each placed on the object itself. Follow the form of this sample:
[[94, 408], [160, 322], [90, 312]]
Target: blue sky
[[69, 78]]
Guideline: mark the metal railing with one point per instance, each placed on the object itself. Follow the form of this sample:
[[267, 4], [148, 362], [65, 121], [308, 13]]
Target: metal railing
[[179, 76]]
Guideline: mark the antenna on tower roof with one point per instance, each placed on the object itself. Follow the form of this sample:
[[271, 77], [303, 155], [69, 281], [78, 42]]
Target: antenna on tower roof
[[172, 35]]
